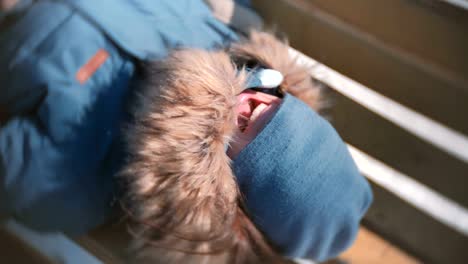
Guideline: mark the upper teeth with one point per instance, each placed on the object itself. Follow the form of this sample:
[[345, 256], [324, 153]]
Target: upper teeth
[[259, 109]]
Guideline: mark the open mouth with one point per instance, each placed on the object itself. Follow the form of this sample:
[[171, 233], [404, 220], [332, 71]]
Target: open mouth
[[252, 106]]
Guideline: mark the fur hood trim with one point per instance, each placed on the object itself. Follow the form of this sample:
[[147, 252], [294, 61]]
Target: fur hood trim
[[183, 198]]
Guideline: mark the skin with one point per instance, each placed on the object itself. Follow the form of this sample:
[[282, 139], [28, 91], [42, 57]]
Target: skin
[[240, 17], [254, 110], [7, 4]]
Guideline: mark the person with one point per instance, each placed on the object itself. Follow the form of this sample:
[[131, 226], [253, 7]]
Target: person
[[67, 68]]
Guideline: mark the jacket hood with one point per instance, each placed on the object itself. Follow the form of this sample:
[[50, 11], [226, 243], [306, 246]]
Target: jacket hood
[[183, 197], [187, 203]]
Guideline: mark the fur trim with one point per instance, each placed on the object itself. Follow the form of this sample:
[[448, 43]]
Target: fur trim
[[182, 196], [267, 51]]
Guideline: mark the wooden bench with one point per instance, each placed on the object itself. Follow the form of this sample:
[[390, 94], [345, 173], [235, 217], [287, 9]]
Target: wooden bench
[[408, 111]]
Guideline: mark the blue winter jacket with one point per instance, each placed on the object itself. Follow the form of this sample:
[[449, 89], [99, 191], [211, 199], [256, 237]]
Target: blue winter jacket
[[60, 121], [65, 72]]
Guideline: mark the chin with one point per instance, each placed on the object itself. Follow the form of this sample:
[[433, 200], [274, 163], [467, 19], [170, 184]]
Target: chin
[[182, 198]]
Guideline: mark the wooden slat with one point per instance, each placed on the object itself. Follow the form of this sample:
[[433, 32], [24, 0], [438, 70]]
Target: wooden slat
[[401, 223], [421, 28], [14, 250], [398, 148], [397, 132], [411, 229], [451, 5], [417, 233], [108, 243], [369, 248], [400, 75]]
